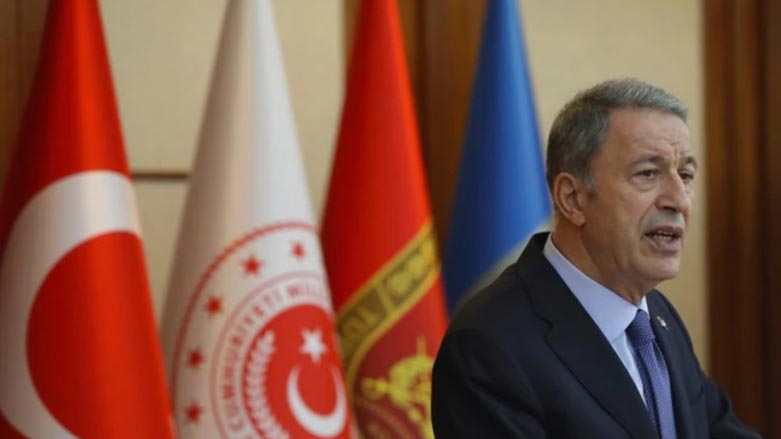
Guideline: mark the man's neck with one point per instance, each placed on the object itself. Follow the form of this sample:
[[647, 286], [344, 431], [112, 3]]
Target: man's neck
[[571, 246]]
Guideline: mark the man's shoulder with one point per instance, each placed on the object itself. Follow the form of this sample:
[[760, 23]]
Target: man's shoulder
[[505, 295], [504, 310]]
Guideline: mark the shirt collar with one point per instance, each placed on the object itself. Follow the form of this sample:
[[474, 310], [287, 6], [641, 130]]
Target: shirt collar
[[610, 312]]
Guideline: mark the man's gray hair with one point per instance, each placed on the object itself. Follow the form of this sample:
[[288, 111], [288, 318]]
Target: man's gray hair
[[581, 126]]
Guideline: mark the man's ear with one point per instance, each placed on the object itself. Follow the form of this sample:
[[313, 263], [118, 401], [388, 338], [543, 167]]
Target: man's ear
[[569, 194]]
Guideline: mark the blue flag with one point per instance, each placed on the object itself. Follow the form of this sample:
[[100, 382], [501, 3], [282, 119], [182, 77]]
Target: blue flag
[[501, 197]]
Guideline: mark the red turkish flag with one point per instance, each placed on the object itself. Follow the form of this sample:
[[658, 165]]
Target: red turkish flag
[[80, 355], [378, 240]]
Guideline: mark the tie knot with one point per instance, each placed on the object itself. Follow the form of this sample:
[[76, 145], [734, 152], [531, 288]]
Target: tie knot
[[640, 331]]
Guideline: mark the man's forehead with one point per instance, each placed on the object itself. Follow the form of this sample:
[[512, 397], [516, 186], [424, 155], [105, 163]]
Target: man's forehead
[[647, 121], [637, 132]]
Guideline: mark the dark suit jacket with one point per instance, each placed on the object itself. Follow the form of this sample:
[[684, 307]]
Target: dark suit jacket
[[523, 359]]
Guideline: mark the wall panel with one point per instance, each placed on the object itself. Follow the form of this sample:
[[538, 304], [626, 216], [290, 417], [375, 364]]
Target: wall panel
[[743, 80], [10, 99]]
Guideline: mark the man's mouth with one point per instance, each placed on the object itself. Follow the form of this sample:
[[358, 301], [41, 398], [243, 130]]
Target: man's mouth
[[667, 237]]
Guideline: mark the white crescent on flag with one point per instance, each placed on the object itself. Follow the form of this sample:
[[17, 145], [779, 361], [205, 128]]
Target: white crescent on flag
[[324, 426], [64, 215]]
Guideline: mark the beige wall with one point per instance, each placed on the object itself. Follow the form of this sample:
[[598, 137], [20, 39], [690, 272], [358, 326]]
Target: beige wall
[[162, 53]]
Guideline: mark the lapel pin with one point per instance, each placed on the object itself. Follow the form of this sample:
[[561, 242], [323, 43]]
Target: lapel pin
[[661, 321]]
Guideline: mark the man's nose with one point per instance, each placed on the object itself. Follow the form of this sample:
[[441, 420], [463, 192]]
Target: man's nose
[[676, 195]]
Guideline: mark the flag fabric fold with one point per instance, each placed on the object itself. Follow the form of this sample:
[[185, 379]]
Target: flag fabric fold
[[249, 338], [501, 196], [79, 351], [378, 240]]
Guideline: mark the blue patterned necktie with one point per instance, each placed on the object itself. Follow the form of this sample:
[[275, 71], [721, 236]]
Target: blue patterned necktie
[[653, 371]]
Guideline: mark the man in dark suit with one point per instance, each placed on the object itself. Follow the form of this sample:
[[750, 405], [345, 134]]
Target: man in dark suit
[[573, 341]]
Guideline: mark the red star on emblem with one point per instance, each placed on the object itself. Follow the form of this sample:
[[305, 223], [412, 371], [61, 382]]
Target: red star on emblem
[[194, 412], [252, 266], [214, 306], [195, 358], [298, 251]]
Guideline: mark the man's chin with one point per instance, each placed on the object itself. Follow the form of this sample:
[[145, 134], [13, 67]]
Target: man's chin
[[666, 271]]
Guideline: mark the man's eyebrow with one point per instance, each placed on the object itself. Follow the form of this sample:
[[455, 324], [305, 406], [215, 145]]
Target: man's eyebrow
[[660, 159], [690, 160]]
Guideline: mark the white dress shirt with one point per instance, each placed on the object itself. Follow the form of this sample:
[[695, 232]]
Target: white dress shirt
[[610, 312]]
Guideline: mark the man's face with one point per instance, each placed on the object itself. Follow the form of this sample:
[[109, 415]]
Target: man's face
[[636, 220]]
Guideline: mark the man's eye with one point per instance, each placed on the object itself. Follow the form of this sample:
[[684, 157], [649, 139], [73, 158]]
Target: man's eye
[[686, 176], [648, 173]]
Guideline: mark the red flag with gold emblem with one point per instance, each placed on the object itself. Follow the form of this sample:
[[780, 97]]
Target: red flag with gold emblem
[[378, 240], [79, 352]]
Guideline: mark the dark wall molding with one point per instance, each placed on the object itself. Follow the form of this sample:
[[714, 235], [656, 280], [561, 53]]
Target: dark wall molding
[[743, 135], [21, 27]]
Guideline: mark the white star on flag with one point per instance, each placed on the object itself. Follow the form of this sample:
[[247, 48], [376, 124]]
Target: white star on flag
[[313, 344]]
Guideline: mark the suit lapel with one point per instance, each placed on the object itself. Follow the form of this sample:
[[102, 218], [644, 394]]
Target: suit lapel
[[672, 357], [580, 345]]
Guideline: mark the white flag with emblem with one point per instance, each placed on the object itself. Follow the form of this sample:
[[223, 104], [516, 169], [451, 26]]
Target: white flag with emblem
[[249, 332]]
